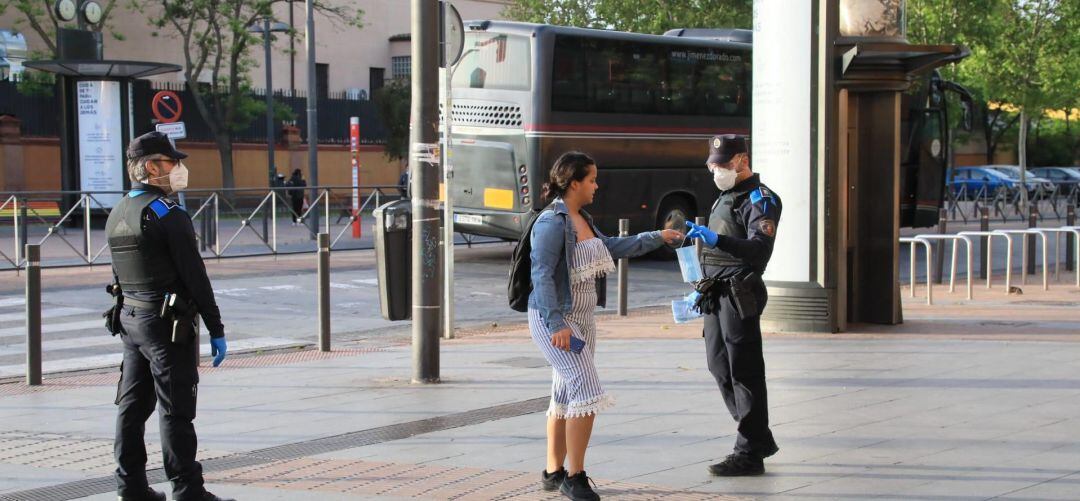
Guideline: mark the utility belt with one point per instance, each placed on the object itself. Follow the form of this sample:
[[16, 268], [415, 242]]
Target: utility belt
[[182, 313], [709, 259], [742, 289]]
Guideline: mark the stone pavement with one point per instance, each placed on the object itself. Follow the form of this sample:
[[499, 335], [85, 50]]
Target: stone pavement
[[966, 400]]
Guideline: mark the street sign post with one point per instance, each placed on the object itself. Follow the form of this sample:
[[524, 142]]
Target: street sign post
[[354, 154], [452, 42]]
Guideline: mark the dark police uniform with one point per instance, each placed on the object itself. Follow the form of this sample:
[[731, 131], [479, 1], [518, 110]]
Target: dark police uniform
[[745, 219], [154, 252]]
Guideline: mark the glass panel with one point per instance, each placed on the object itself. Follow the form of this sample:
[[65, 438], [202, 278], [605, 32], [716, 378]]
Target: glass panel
[[494, 61], [614, 76], [872, 18]]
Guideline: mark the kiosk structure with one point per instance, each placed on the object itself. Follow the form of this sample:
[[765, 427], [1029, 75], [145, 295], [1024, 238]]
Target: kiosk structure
[[828, 78]]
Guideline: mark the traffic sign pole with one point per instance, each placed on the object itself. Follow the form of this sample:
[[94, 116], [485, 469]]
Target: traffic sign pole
[[354, 150]]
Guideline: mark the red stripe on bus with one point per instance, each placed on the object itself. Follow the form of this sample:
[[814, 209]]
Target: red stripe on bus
[[631, 129]]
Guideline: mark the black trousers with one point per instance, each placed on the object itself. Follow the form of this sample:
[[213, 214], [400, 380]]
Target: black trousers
[[297, 207], [156, 371], [733, 350]]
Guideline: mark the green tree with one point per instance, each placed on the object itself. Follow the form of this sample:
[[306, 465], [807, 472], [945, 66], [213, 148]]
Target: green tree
[[1026, 64], [39, 17], [1024, 57], [215, 41], [640, 16], [393, 102]]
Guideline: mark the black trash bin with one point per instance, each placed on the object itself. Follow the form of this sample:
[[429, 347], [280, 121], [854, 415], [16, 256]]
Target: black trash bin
[[393, 258]]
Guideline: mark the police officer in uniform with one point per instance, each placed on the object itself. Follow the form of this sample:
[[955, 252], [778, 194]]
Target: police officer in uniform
[[162, 286], [738, 244]]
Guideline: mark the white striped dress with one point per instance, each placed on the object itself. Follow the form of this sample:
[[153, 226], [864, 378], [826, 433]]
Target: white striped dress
[[575, 387]]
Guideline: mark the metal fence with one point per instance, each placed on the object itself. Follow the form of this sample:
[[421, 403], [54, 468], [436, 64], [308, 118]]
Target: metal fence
[[335, 110], [221, 218], [1005, 204], [39, 114]]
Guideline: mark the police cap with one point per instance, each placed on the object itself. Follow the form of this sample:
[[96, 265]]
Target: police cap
[[154, 143], [725, 146]]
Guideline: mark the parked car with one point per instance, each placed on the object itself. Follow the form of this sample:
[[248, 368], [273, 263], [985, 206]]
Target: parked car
[[979, 181], [1013, 171], [1066, 178]]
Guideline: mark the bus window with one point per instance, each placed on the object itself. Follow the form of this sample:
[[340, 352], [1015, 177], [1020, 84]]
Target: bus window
[[494, 61], [610, 76]]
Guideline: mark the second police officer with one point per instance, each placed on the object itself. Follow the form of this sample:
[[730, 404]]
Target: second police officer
[[738, 244], [162, 287]]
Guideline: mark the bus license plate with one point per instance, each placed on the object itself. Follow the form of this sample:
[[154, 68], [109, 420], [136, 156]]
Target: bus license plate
[[468, 219]]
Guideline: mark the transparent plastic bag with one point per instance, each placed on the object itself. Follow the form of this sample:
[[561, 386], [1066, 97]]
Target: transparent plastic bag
[[683, 310]]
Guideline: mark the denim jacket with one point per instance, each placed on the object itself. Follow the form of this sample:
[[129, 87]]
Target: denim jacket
[[553, 239]]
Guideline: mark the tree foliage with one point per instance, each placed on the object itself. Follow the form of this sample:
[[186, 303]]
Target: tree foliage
[[1025, 56], [39, 17], [640, 16], [215, 42], [393, 102]]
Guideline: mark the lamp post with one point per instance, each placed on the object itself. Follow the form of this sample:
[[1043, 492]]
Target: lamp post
[[266, 29], [312, 116]]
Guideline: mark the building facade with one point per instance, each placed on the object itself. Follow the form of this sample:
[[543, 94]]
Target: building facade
[[348, 59]]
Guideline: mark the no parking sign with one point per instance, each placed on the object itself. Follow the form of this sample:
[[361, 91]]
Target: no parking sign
[[166, 107]]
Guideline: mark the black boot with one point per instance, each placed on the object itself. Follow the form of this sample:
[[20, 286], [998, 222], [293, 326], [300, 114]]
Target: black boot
[[149, 495], [207, 496], [738, 465], [578, 488], [552, 481]]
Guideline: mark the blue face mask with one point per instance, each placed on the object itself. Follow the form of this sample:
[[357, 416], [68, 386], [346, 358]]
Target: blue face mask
[[683, 310], [689, 263]]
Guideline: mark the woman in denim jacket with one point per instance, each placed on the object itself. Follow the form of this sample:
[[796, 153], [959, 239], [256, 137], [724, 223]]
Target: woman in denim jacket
[[570, 259]]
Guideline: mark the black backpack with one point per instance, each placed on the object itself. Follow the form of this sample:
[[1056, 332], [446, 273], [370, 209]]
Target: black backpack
[[520, 285]]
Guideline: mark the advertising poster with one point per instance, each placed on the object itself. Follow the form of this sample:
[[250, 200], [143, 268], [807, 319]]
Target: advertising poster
[[101, 144]]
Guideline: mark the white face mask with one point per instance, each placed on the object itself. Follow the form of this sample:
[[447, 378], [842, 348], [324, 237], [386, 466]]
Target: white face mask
[[178, 178], [724, 178]]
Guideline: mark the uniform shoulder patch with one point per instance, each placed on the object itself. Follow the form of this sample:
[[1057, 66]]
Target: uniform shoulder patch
[[162, 206], [768, 227], [761, 194]]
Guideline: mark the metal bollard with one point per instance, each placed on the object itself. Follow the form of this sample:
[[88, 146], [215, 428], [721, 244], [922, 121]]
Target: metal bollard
[[699, 244], [1033, 221], [33, 315], [324, 292], [204, 232], [22, 230], [624, 269], [939, 264], [1070, 239], [984, 225]]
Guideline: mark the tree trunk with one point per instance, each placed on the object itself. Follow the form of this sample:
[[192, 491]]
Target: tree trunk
[[1022, 157], [225, 151]]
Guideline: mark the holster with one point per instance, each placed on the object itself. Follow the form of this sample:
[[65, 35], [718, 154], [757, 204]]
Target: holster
[[182, 314], [112, 315], [743, 294]]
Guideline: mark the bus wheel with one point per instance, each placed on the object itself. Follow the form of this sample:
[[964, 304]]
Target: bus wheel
[[673, 215]]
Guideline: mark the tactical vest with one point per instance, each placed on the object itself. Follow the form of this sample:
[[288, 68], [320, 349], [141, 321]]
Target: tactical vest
[[141, 264], [724, 221]]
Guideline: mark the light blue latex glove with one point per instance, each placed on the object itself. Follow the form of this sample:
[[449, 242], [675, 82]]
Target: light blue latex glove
[[702, 232], [217, 349]]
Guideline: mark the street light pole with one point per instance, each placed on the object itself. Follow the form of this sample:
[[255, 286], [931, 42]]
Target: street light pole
[[292, 52], [312, 119], [271, 170], [424, 161]]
